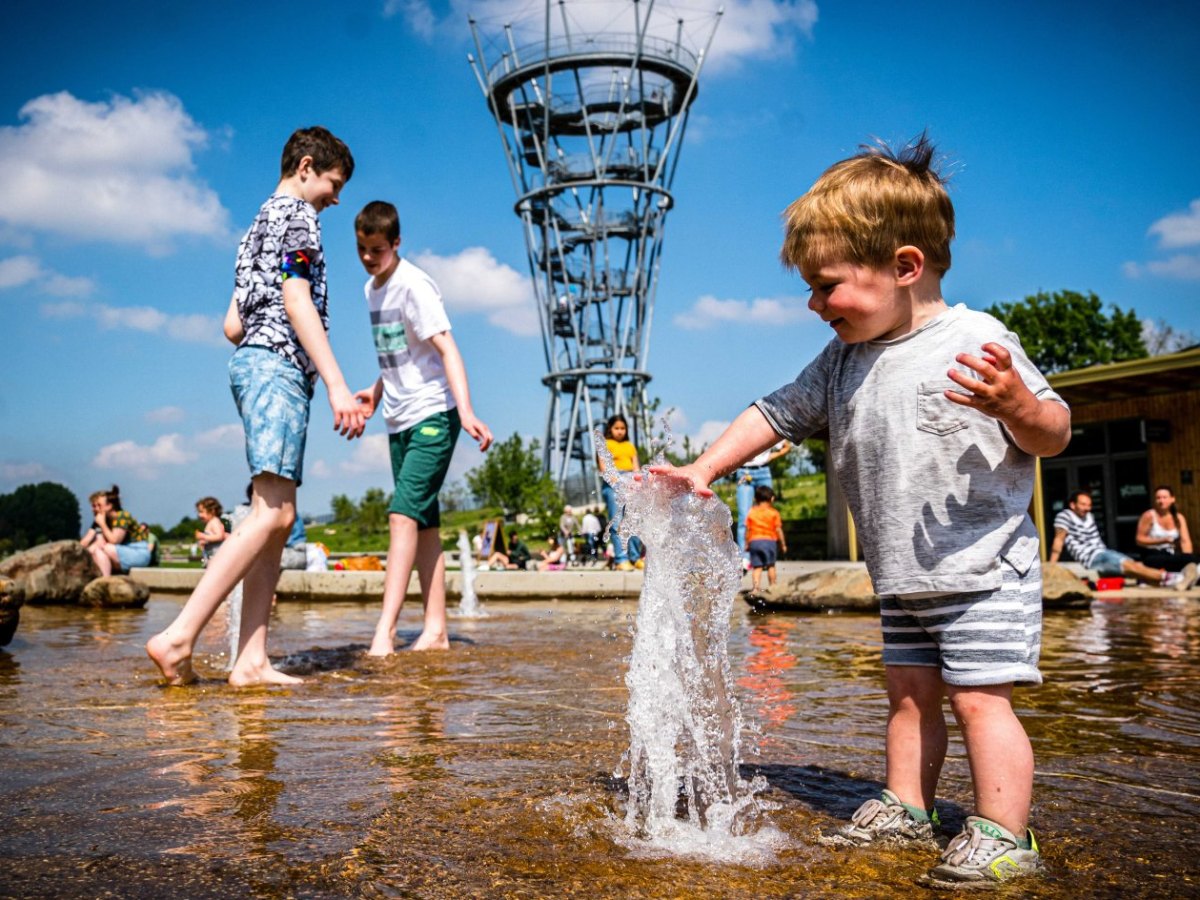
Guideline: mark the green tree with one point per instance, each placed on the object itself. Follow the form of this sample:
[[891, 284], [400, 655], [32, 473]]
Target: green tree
[[511, 477], [1068, 330], [373, 511], [37, 513], [185, 530], [343, 508]]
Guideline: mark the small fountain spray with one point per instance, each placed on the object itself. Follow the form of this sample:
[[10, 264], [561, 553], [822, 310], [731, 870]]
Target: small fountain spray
[[686, 793], [468, 606]]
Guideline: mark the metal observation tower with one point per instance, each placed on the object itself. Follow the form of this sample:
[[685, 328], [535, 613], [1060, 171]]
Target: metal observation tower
[[592, 114]]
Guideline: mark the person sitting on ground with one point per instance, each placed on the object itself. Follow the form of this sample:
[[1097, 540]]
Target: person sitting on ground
[[121, 543], [1163, 534], [764, 537], [1075, 529], [212, 536], [517, 557], [553, 557]]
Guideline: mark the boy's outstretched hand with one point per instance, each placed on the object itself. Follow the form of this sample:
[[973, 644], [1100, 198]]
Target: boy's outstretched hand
[[999, 391], [348, 419], [476, 429], [686, 478]]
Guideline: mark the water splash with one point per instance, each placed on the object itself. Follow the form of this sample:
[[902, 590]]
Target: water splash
[[468, 606], [686, 793], [233, 608]]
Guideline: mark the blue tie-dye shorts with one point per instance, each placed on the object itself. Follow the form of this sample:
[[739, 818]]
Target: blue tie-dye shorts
[[273, 398]]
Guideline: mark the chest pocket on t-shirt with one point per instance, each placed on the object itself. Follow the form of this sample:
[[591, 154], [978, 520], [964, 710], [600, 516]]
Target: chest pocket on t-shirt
[[390, 338], [935, 413]]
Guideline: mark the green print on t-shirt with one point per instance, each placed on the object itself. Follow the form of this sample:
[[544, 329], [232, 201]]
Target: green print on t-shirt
[[390, 338]]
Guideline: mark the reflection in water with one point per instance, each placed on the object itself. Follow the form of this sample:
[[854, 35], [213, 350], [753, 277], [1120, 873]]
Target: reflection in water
[[486, 771]]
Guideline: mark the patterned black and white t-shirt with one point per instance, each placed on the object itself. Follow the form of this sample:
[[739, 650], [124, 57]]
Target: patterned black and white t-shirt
[[1083, 539], [283, 225]]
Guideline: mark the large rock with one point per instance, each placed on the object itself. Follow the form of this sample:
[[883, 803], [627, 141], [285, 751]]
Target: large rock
[[51, 573], [840, 587], [11, 598], [1063, 589], [115, 592]]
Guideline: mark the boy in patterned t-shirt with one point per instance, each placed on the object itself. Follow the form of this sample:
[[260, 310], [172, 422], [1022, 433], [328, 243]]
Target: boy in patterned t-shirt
[[422, 390], [278, 317]]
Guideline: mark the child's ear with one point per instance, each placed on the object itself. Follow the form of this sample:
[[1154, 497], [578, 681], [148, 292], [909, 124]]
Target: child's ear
[[305, 167], [909, 265]]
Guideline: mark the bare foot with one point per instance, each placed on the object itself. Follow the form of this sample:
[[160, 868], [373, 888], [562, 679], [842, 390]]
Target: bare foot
[[174, 659], [381, 646], [435, 641], [264, 674]]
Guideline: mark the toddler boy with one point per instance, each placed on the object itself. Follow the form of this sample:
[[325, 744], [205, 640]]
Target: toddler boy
[[764, 537], [426, 402], [278, 318], [935, 418]]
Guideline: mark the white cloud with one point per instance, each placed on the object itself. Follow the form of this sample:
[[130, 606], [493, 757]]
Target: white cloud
[[474, 281], [117, 171], [165, 414], [18, 271], [190, 328], [23, 472], [222, 436], [1181, 229], [708, 432], [168, 450], [710, 311], [370, 454], [1180, 267], [749, 29], [319, 469], [417, 13]]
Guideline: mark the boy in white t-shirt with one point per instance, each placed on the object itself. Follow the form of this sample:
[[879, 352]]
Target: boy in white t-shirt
[[426, 402]]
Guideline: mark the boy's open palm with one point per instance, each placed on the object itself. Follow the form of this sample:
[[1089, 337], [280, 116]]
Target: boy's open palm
[[998, 391]]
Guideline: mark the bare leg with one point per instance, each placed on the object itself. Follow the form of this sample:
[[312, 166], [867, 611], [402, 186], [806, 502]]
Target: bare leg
[[431, 570], [252, 665], [916, 733], [402, 553], [771, 576], [100, 555], [1142, 572], [272, 509], [999, 752], [755, 578]]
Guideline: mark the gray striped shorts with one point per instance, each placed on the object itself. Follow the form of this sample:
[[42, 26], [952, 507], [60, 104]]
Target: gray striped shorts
[[977, 638]]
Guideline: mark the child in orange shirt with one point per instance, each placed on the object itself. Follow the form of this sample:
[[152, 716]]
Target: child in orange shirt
[[764, 527]]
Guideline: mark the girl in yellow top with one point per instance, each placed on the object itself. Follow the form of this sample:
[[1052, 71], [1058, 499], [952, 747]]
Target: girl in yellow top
[[625, 461]]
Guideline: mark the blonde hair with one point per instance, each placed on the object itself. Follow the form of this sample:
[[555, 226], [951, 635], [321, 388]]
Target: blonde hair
[[209, 505], [865, 208]]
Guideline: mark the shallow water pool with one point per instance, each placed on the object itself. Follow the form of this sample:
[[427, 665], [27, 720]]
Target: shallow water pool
[[489, 771]]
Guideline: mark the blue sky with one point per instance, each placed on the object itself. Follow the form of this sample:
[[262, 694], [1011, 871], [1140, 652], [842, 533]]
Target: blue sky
[[137, 140]]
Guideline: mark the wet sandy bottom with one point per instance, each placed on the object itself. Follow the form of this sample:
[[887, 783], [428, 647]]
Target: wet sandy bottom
[[493, 770]]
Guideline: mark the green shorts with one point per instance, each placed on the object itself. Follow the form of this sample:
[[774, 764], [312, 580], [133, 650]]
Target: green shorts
[[420, 458]]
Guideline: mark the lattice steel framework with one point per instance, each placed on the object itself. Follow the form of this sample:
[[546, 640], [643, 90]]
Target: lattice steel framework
[[591, 125]]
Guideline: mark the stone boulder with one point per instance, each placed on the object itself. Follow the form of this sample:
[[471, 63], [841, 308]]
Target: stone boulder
[[51, 573], [839, 587], [11, 598], [1063, 589], [115, 592]]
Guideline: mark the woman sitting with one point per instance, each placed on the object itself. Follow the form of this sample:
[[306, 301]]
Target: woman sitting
[[517, 557], [1162, 534], [553, 557], [116, 541]]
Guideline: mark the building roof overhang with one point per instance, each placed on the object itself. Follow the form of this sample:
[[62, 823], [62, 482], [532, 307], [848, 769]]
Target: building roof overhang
[[1171, 373]]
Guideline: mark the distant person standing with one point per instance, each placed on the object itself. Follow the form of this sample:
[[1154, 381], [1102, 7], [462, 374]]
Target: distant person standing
[[764, 537], [754, 474], [423, 392], [278, 318], [1075, 529], [591, 530], [212, 535], [625, 462], [567, 526]]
